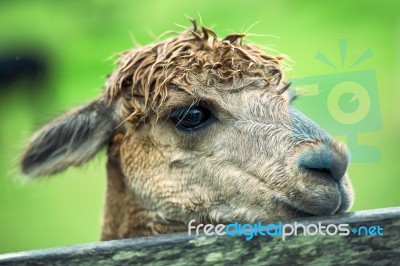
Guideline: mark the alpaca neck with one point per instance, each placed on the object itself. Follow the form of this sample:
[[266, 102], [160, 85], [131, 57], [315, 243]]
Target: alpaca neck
[[124, 215]]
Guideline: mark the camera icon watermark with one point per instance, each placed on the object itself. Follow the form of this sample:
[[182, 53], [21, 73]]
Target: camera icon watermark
[[345, 103]]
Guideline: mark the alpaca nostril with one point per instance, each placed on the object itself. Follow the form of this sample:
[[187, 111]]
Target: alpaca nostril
[[322, 170], [326, 161]]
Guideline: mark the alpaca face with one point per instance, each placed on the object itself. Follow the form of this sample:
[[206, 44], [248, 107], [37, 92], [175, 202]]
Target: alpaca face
[[201, 128], [241, 156]]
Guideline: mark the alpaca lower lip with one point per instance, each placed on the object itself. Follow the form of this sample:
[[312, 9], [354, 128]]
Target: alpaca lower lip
[[297, 212], [300, 213], [303, 212], [328, 206], [317, 213], [318, 209]]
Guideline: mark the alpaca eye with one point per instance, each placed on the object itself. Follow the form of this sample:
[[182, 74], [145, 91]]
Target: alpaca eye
[[190, 118]]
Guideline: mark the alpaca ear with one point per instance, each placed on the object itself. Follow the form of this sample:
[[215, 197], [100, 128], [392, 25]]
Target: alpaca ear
[[70, 139]]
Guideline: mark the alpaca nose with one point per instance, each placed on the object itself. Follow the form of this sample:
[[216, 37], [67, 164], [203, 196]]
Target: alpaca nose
[[330, 160]]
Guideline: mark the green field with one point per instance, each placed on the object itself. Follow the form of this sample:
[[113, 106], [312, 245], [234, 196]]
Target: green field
[[78, 38]]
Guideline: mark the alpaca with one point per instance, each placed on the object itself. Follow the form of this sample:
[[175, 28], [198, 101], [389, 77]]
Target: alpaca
[[197, 127]]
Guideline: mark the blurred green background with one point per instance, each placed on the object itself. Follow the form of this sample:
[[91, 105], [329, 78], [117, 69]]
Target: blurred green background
[[72, 42]]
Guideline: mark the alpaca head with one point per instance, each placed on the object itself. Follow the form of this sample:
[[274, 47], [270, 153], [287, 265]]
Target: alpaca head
[[202, 128]]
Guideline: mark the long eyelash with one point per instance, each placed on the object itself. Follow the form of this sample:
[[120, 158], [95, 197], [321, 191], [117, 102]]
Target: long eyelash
[[185, 111], [284, 88], [292, 95]]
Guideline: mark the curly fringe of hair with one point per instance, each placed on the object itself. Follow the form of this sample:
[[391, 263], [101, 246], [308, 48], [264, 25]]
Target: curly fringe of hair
[[195, 56]]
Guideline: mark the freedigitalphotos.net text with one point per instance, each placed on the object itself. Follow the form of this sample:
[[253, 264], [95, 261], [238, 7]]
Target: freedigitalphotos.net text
[[282, 230]]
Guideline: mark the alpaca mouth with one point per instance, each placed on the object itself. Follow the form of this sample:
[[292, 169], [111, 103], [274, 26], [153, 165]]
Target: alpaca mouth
[[299, 213], [321, 173], [333, 206], [330, 199]]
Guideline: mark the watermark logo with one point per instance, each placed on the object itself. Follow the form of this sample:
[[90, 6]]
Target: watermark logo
[[345, 102], [282, 230]]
